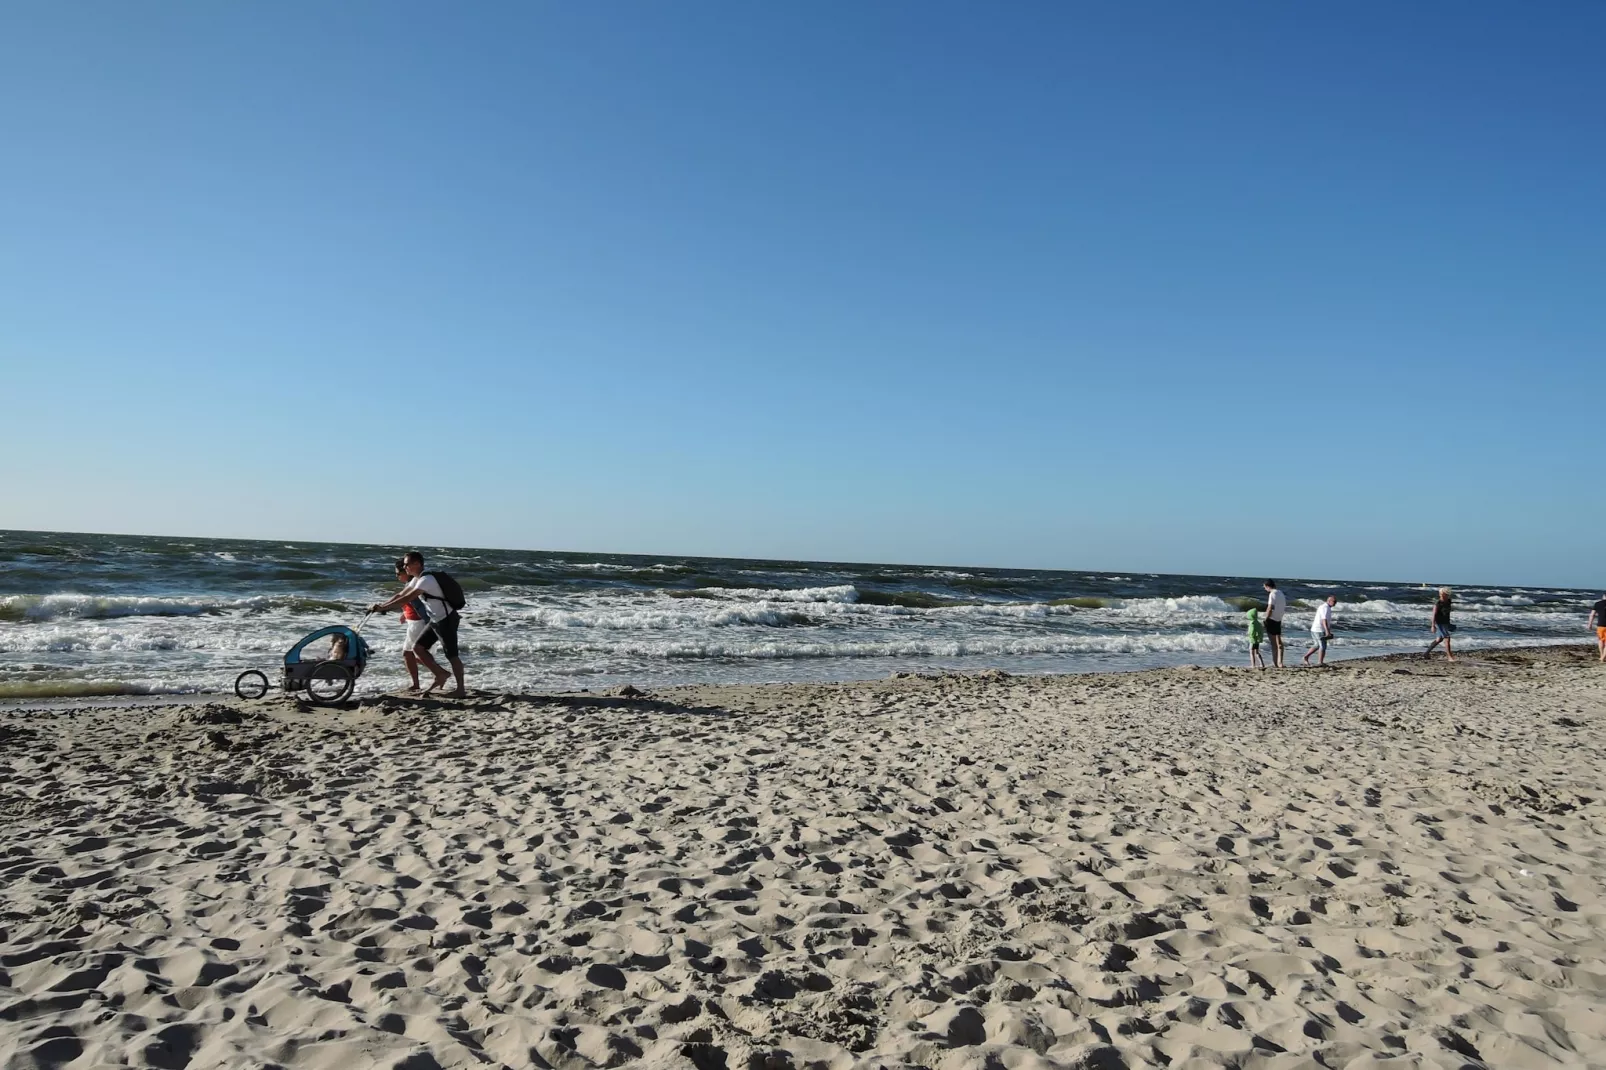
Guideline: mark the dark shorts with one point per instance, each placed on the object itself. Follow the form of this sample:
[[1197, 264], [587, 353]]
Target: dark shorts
[[445, 631], [1274, 627]]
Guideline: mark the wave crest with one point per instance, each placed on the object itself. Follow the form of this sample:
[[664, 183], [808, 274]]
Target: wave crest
[[23, 608]]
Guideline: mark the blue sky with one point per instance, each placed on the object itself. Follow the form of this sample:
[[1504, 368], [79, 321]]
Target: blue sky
[[1228, 288]]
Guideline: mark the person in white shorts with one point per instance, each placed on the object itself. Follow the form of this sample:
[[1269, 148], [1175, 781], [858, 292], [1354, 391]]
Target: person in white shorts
[[415, 621], [1321, 630]]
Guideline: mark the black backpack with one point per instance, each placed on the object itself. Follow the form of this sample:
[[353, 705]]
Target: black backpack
[[450, 589]]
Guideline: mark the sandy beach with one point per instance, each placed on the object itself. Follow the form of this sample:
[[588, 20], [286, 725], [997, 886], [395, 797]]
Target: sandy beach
[[1392, 861]]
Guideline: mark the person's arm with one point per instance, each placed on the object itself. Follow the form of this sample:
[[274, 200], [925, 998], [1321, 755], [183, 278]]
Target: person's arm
[[391, 603]]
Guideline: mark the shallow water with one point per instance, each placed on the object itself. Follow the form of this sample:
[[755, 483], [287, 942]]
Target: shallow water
[[87, 613]]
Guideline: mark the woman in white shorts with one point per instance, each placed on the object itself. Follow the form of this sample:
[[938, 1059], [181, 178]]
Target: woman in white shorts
[[415, 620]]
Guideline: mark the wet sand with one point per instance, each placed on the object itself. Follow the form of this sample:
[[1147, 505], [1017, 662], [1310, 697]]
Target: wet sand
[[1391, 861]]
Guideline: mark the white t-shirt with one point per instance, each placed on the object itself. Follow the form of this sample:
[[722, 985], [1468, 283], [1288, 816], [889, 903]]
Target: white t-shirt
[[1276, 606], [1323, 622], [428, 588]]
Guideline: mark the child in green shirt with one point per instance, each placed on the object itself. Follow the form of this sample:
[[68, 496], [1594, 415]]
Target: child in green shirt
[[1257, 634]]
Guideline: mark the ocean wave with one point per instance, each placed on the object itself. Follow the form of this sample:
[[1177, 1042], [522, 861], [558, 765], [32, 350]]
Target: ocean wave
[[46, 689], [65, 640], [911, 600], [844, 593], [715, 615], [1182, 605], [49, 607], [45, 550]]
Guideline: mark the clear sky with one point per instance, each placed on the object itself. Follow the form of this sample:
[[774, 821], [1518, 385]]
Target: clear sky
[[1233, 287]]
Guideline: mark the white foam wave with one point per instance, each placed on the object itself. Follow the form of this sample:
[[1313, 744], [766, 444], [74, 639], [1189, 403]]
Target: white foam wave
[[842, 593], [1183, 605], [1381, 607], [87, 637], [100, 607], [692, 616]]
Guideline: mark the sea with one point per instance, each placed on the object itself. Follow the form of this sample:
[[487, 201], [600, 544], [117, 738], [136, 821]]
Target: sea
[[118, 614]]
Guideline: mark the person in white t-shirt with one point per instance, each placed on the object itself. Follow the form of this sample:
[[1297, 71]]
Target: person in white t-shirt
[[1321, 631], [1276, 606], [443, 622]]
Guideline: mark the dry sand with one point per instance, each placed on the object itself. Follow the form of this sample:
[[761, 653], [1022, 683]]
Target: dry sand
[[1389, 862]]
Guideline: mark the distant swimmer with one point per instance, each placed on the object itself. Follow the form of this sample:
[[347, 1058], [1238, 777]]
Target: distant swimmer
[[1321, 631], [1441, 626], [1597, 621], [1276, 606]]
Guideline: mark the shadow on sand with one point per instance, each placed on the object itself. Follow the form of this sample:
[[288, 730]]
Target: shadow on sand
[[507, 702]]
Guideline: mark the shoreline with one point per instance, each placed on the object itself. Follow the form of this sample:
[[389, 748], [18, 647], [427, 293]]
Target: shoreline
[[1169, 867], [1472, 656]]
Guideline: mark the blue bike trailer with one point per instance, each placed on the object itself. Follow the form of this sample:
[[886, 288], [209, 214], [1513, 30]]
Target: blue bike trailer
[[356, 649]]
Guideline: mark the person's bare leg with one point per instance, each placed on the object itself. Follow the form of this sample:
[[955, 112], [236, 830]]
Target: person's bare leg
[[1429, 651], [412, 668], [1448, 654], [457, 671], [1277, 652], [1321, 660], [440, 674]]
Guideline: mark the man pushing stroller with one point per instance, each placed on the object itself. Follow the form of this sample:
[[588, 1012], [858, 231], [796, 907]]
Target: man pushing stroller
[[442, 598]]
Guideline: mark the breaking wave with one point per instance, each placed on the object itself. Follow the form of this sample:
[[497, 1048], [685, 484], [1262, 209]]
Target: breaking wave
[[48, 607]]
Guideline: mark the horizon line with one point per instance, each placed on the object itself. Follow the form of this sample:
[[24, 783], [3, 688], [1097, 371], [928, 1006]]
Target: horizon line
[[782, 560]]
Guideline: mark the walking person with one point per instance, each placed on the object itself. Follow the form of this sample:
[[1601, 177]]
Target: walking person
[[1597, 621], [1321, 631], [1441, 626], [441, 624], [1276, 606], [413, 622], [1257, 635]]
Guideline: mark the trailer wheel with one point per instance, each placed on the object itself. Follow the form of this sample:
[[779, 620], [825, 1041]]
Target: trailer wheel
[[251, 684], [329, 683]]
